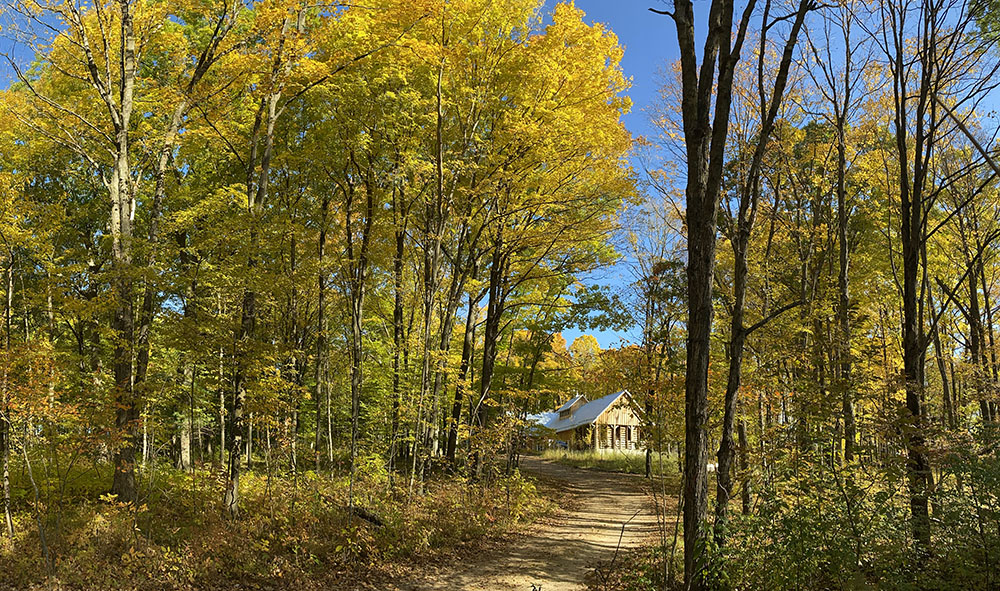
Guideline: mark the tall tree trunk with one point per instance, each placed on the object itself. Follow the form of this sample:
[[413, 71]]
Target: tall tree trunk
[[357, 254], [123, 325], [397, 326], [724, 480], [257, 187], [447, 323], [294, 344], [649, 318], [649, 448], [147, 309], [918, 468], [491, 330], [705, 126], [973, 317], [948, 417], [988, 307], [222, 410], [257, 183], [843, 293], [976, 346], [244, 332], [321, 361], [187, 364], [744, 467], [434, 220], [5, 421], [463, 373], [746, 215], [357, 380], [5, 452]]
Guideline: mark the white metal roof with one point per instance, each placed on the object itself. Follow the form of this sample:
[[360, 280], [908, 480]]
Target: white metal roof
[[571, 402], [584, 415], [543, 418]]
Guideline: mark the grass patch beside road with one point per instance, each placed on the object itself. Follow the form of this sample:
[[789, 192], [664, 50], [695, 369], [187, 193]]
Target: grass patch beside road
[[622, 461]]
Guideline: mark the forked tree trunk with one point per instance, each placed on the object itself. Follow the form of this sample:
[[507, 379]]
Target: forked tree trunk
[[747, 213]]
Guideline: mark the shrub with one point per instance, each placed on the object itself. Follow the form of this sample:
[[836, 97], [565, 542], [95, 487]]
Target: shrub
[[294, 533]]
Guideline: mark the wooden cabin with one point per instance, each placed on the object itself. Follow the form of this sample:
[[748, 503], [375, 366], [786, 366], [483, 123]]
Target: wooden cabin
[[606, 423]]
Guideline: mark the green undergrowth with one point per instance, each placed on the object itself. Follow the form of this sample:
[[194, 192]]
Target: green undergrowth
[[820, 526], [637, 569], [294, 533]]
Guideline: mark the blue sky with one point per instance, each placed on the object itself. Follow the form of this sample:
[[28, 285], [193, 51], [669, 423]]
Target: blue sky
[[650, 43]]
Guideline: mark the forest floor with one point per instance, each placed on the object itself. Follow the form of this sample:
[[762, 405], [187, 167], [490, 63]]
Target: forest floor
[[560, 551]]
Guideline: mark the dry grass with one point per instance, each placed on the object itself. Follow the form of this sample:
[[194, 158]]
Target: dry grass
[[294, 534]]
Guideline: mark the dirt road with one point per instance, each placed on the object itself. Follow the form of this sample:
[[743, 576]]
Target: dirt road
[[558, 553]]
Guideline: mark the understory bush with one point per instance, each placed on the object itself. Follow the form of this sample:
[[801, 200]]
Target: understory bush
[[815, 526], [294, 533], [846, 529], [639, 569]]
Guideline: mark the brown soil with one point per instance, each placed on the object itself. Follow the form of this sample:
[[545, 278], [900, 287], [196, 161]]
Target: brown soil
[[557, 553]]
